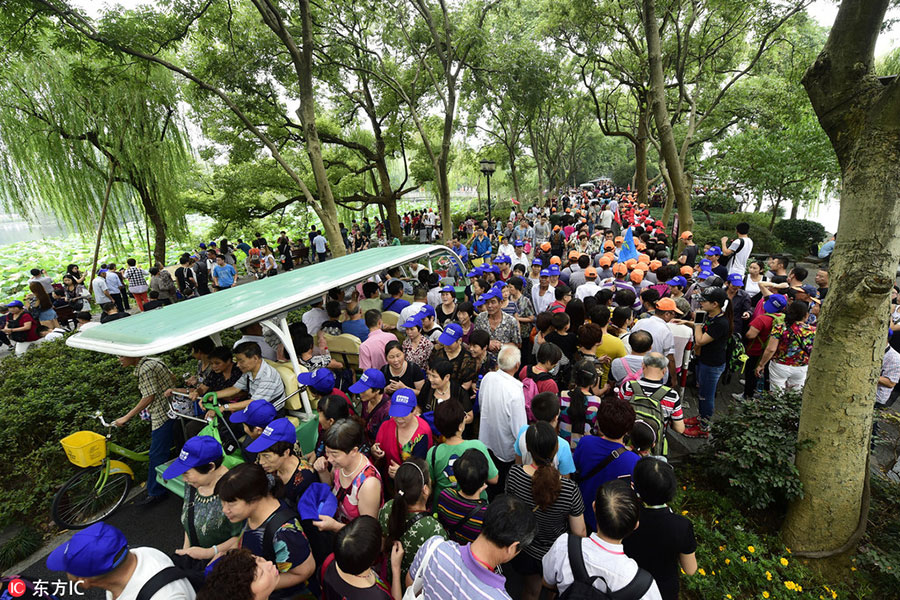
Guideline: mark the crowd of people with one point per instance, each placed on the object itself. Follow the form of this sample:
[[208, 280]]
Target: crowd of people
[[511, 441]]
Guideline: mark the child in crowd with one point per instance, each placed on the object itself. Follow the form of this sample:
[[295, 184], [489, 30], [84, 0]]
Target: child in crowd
[[461, 509]]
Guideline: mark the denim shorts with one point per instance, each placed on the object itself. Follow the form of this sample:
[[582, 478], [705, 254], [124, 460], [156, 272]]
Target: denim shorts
[[47, 315]]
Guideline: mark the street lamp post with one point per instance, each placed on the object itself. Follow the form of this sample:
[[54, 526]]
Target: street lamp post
[[488, 167]]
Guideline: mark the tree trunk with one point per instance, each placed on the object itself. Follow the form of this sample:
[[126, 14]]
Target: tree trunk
[[393, 217], [670, 195], [151, 213], [657, 97], [109, 182], [514, 174], [640, 153], [860, 115], [759, 202], [537, 160], [795, 205], [775, 206]]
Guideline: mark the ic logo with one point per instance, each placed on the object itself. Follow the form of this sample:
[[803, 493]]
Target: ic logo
[[17, 588]]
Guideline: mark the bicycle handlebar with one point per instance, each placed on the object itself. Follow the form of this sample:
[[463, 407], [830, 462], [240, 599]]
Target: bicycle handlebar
[[99, 416]]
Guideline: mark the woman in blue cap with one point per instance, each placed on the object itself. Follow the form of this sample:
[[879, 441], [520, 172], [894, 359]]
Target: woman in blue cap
[[404, 435], [20, 327]]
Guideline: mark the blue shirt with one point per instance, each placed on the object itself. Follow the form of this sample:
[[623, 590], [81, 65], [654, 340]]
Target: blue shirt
[[244, 247], [393, 305], [225, 275], [356, 327], [826, 249], [591, 451], [453, 572], [319, 242], [481, 248], [564, 463]]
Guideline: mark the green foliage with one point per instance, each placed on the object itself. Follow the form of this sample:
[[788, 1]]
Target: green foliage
[[880, 551], [753, 448], [719, 226], [799, 234], [20, 546], [715, 202]]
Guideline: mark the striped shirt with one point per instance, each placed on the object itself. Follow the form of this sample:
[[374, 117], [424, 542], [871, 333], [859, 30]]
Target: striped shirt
[[552, 521], [267, 385], [453, 508], [452, 572], [592, 405], [671, 402]]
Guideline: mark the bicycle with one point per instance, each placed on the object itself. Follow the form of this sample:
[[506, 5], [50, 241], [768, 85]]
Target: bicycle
[[102, 485]]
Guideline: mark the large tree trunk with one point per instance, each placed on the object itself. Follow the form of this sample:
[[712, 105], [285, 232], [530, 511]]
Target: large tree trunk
[[109, 182], [640, 153], [159, 224], [657, 98], [860, 115], [537, 160], [795, 206], [670, 195], [393, 217]]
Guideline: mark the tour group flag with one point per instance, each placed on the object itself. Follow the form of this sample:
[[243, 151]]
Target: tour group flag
[[628, 250]]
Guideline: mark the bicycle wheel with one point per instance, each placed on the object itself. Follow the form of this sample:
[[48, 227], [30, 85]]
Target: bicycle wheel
[[78, 503]]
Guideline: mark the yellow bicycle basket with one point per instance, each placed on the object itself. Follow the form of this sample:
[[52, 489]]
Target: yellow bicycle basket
[[84, 448]]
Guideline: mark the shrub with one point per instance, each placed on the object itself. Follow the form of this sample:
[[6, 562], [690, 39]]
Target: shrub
[[753, 448], [799, 234]]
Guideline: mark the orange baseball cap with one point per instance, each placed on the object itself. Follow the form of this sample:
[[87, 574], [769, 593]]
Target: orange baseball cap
[[608, 246], [555, 260], [545, 246], [641, 267], [574, 254], [643, 258], [686, 270], [637, 276], [630, 263], [685, 235], [604, 261], [620, 269], [590, 273], [568, 210], [619, 239], [655, 264], [641, 246], [667, 304], [556, 228]]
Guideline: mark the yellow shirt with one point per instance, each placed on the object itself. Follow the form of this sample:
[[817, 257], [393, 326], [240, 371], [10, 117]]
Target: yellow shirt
[[612, 347]]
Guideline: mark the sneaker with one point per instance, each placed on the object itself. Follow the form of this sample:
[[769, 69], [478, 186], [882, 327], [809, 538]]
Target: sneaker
[[691, 421], [696, 431], [738, 396]]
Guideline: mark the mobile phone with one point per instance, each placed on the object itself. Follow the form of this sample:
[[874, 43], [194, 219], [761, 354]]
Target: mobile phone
[[699, 316]]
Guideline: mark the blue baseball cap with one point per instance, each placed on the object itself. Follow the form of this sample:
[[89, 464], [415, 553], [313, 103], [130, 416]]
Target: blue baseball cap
[[537, 262], [545, 273], [102, 271], [15, 304], [677, 280], [775, 303], [321, 380], [413, 321], [279, 430], [91, 552], [735, 279], [402, 403], [198, 450], [704, 274], [810, 290], [474, 272], [492, 269], [554, 269], [714, 251], [202, 245], [501, 259], [452, 333], [448, 288], [499, 285], [518, 243], [370, 379], [317, 500], [258, 413], [427, 311], [705, 264]]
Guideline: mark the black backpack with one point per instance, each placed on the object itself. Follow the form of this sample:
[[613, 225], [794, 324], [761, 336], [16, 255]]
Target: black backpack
[[159, 581], [583, 586]]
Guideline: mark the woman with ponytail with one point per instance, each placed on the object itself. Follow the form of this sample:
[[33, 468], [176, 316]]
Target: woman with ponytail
[[578, 407], [556, 502], [406, 518]]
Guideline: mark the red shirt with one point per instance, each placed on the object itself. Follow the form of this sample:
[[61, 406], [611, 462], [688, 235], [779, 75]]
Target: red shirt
[[32, 334]]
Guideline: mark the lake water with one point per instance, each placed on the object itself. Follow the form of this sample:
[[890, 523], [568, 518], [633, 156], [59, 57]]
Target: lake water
[[13, 228]]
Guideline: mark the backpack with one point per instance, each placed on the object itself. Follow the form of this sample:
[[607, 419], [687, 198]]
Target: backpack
[[728, 259], [530, 388], [629, 377], [583, 586], [649, 409], [159, 581], [737, 354]]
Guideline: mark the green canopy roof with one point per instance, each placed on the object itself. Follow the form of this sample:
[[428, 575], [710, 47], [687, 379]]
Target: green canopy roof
[[179, 324]]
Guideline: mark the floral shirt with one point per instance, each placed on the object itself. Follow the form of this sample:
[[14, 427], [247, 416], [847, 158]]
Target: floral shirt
[[794, 343], [507, 332], [415, 535], [419, 355], [526, 309], [210, 523], [348, 497]]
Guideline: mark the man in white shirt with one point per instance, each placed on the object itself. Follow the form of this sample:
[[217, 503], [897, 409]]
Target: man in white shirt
[[589, 287], [419, 300], [657, 327], [740, 248], [543, 294], [313, 318], [502, 401], [519, 257], [321, 247], [606, 218], [506, 247], [254, 333], [99, 557], [100, 289], [617, 509]]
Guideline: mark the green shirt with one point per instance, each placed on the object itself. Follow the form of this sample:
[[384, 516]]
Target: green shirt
[[211, 524], [416, 535], [441, 465]]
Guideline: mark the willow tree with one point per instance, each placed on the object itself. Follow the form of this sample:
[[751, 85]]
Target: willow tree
[[860, 112], [69, 127]]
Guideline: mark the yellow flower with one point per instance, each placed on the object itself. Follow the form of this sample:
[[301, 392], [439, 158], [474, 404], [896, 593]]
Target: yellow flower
[[727, 561], [790, 585], [684, 512], [712, 573], [743, 559], [799, 588], [765, 594], [784, 562], [717, 522], [721, 548], [768, 576], [728, 596], [751, 549], [701, 571], [788, 550], [852, 568]]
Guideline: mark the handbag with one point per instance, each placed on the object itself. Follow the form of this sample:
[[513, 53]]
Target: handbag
[[416, 590]]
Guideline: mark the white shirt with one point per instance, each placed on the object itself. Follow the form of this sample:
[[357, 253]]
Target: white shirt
[[738, 262], [313, 319], [663, 341], [606, 219], [502, 413], [151, 561], [506, 249], [542, 303], [407, 312], [98, 286], [319, 243], [588, 288], [265, 348], [519, 260], [600, 558], [88, 325], [434, 296]]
